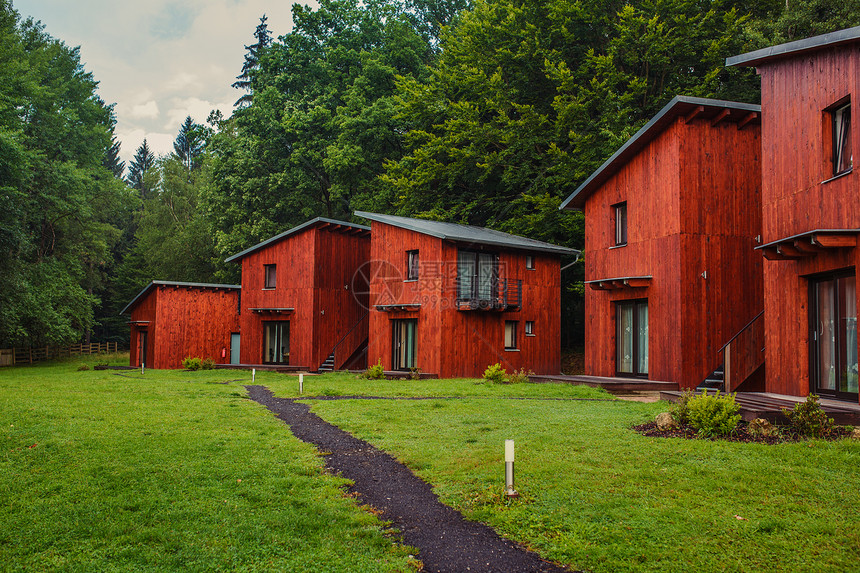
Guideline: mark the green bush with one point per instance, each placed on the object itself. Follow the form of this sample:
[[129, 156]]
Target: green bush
[[713, 414], [808, 419], [495, 374], [83, 367], [192, 363], [519, 376], [207, 364], [375, 372], [679, 409]]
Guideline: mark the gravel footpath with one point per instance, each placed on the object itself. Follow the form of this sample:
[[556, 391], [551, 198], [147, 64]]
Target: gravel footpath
[[447, 542]]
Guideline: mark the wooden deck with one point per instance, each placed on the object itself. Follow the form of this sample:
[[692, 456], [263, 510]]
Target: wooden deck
[[613, 385], [769, 406]]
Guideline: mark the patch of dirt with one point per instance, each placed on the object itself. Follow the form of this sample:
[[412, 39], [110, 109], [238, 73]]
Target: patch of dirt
[[447, 541], [739, 435], [573, 361]]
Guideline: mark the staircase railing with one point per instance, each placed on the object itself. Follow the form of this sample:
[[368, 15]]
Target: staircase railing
[[743, 353], [349, 342]]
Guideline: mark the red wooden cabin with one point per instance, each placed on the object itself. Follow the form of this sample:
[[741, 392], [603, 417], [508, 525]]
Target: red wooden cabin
[[171, 321], [811, 213], [452, 299], [670, 225], [304, 297]]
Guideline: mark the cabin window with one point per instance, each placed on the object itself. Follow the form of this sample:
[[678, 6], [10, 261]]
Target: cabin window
[[477, 275], [631, 338], [412, 265], [510, 335], [530, 262], [620, 224], [843, 157], [269, 276], [530, 328]]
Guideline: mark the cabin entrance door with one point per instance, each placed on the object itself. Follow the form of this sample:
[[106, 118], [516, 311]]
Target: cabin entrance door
[[833, 336], [631, 338], [276, 342], [234, 347], [141, 357], [403, 347]]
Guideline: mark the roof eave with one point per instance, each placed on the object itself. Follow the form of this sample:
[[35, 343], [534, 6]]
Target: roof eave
[[295, 230], [797, 47]]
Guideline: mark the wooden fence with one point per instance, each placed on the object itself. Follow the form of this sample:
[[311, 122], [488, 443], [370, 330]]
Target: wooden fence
[[12, 356]]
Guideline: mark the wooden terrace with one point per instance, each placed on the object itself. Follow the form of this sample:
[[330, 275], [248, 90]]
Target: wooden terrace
[[612, 385], [769, 406]]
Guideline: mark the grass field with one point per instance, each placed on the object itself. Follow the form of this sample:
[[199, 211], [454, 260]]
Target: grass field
[[177, 470]]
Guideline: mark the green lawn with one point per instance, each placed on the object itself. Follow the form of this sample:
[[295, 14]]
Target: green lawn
[[166, 471], [108, 472]]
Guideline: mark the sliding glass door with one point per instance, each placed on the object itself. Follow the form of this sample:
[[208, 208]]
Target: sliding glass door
[[276, 342], [403, 342], [833, 340], [631, 338]]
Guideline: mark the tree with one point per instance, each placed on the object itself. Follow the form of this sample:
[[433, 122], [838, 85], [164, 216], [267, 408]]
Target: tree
[[190, 143], [112, 161], [252, 61], [141, 165]]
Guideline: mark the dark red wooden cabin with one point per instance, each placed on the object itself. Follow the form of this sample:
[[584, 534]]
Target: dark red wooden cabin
[[811, 213], [171, 321], [671, 221], [304, 297], [451, 299]]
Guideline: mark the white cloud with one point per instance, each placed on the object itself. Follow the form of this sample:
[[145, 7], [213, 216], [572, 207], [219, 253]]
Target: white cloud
[[148, 110], [197, 108]]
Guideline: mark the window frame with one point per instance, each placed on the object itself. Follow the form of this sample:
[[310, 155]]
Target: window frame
[[620, 224], [514, 326], [475, 279], [529, 329], [840, 129], [530, 262], [413, 263], [267, 268]]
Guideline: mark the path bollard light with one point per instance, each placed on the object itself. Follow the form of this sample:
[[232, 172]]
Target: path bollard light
[[301, 383], [509, 469], [253, 375], [141, 367]]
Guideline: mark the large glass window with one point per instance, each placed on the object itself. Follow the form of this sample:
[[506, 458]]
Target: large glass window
[[631, 337], [843, 157], [834, 336], [276, 342], [403, 343], [477, 275]]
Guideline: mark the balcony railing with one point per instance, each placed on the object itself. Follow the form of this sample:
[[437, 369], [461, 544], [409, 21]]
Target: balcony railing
[[498, 295]]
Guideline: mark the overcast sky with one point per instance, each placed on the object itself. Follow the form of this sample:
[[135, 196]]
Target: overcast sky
[[160, 60]]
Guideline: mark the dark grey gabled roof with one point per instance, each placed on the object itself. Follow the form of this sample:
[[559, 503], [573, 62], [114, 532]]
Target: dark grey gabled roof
[[467, 234], [678, 106], [293, 231], [838, 38], [154, 284]]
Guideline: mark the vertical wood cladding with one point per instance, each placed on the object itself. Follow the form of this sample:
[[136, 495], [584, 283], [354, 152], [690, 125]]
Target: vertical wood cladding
[[798, 196], [185, 321], [693, 196], [318, 274], [450, 342]]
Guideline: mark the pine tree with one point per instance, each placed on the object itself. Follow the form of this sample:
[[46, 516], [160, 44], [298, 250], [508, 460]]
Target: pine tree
[[190, 143], [252, 62], [143, 161], [112, 161]]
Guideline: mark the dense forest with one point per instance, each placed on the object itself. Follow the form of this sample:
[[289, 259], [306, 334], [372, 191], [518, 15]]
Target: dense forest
[[487, 112]]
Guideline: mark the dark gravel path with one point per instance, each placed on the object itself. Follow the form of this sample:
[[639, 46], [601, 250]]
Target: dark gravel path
[[447, 542]]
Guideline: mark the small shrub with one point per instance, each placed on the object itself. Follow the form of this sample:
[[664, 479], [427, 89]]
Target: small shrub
[[83, 367], [808, 419], [415, 374], [713, 415], [207, 364], [375, 372], [519, 376], [679, 410], [192, 363], [495, 374]]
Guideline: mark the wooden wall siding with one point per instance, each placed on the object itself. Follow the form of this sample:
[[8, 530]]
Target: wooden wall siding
[[295, 260], [796, 199], [194, 322], [454, 343], [693, 196], [315, 272], [795, 93], [143, 311], [341, 292]]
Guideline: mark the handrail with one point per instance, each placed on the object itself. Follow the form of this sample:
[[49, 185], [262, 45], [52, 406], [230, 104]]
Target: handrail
[[354, 326], [345, 337], [741, 331]]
